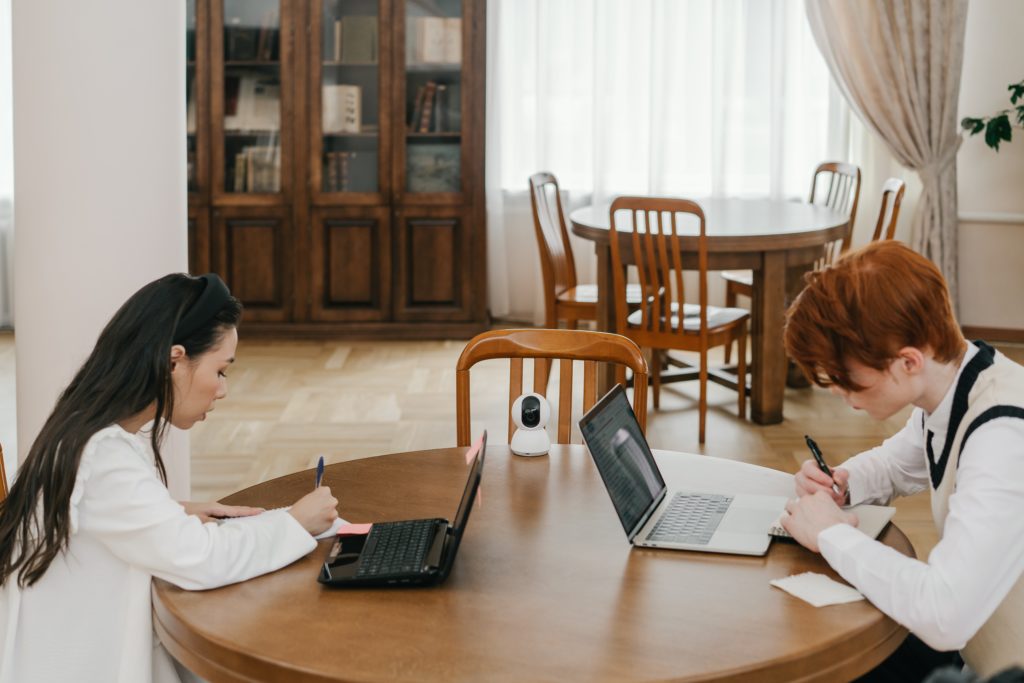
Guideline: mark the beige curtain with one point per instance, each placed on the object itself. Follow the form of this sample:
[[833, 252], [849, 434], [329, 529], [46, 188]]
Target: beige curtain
[[898, 63]]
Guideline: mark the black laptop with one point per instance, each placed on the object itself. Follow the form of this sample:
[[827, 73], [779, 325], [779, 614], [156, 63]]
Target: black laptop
[[414, 552]]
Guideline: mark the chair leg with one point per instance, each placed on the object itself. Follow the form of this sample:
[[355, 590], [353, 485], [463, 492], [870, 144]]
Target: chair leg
[[703, 407], [730, 302], [655, 368], [741, 372]]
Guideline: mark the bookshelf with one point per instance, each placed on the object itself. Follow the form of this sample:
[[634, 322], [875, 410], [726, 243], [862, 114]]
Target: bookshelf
[[335, 153]]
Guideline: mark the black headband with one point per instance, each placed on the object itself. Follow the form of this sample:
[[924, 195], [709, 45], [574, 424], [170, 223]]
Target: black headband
[[215, 294]]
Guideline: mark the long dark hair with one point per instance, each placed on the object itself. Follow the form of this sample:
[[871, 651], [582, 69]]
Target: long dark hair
[[128, 371]]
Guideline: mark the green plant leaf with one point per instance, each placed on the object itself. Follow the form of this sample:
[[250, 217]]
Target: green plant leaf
[[1016, 91], [997, 129], [974, 126], [1020, 115]]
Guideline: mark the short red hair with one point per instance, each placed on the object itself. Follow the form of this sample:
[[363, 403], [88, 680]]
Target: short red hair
[[866, 307]]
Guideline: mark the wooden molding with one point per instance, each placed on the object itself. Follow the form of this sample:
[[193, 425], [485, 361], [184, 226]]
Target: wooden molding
[[1001, 334]]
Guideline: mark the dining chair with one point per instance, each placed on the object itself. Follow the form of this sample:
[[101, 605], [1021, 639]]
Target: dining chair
[[835, 185], [3, 477], [646, 232], [564, 297], [892, 197], [547, 345]]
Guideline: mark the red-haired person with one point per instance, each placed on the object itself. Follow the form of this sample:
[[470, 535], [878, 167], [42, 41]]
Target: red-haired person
[[877, 329]]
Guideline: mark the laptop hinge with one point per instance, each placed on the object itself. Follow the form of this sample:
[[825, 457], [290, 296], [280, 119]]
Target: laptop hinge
[[441, 537]]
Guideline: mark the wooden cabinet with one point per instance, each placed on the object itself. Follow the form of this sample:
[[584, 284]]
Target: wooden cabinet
[[336, 162]]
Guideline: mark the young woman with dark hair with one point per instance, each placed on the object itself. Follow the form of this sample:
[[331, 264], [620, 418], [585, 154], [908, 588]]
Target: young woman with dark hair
[[878, 329], [89, 519]]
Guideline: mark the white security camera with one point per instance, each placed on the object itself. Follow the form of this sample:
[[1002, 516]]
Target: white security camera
[[530, 412]]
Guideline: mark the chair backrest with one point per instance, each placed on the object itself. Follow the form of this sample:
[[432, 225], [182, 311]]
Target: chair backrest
[[892, 197], [556, 261], [837, 185], [649, 229], [3, 476], [545, 345]]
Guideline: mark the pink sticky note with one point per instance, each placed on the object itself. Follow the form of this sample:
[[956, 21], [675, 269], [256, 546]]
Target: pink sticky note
[[354, 529], [474, 449]]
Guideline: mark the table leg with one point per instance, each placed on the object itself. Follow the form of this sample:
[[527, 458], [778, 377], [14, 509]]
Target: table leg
[[768, 375], [605, 310]]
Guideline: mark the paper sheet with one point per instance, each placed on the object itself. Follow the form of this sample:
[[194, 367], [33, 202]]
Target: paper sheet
[[817, 589], [330, 533]]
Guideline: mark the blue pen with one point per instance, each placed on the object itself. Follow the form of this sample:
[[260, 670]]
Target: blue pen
[[319, 472]]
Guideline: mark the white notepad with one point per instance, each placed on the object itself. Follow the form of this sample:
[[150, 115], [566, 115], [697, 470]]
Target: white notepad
[[817, 589], [873, 519]]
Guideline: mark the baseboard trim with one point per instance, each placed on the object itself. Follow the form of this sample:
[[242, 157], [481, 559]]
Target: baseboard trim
[[1002, 334]]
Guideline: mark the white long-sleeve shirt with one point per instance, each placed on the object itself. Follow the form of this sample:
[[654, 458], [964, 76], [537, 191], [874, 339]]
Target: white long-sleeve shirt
[[89, 618], [980, 556]]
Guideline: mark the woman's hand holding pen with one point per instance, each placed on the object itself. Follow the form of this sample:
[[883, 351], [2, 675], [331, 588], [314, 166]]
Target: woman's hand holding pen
[[810, 479], [316, 511]]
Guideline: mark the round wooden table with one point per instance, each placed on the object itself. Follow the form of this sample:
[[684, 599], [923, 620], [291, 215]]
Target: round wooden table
[[778, 240], [545, 588]]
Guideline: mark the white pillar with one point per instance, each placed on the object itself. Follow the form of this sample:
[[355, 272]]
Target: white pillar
[[99, 181]]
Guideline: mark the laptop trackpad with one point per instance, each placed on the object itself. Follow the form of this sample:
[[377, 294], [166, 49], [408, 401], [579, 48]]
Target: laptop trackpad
[[745, 520]]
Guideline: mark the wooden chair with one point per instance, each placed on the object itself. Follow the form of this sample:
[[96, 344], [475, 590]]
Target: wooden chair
[[652, 237], [892, 197], [564, 298], [836, 185], [3, 477], [565, 345]]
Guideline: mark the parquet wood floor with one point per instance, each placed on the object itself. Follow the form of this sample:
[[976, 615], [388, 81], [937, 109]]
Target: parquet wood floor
[[291, 401]]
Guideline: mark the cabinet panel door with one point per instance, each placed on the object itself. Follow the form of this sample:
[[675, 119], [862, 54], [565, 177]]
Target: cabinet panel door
[[433, 275], [250, 251], [198, 241], [350, 264]]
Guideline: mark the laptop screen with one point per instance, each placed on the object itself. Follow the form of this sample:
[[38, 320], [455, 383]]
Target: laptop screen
[[623, 458]]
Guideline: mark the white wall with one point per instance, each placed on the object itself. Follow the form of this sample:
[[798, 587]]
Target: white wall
[[991, 185], [99, 166]]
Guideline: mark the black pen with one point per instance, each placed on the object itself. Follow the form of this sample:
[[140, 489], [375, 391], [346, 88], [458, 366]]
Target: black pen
[[822, 465]]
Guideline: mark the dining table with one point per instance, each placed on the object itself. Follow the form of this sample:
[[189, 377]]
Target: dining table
[[545, 587], [777, 240]]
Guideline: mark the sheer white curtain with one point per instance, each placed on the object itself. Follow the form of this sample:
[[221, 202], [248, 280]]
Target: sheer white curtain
[[661, 97], [6, 169]]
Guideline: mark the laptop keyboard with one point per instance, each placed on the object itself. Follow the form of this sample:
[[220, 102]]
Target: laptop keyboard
[[397, 547], [690, 518]]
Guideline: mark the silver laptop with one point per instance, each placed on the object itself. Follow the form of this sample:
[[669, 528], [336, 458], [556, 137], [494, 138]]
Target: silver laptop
[[656, 517]]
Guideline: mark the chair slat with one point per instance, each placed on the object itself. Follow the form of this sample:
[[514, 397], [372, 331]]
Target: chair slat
[[515, 389], [589, 384], [564, 400]]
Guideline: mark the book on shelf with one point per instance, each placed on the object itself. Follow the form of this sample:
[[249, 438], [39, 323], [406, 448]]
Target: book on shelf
[[350, 172], [251, 103], [341, 108], [336, 47], [435, 40], [358, 40], [190, 110], [430, 89], [258, 169], [436, 108]]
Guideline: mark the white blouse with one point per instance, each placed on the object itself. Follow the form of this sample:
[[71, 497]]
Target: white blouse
[[89, 618]]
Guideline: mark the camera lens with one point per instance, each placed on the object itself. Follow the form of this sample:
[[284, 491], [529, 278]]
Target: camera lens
[[531, 411]]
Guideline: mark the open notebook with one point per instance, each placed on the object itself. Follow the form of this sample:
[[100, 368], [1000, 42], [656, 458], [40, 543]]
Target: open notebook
[[329, 533], [873, 519]]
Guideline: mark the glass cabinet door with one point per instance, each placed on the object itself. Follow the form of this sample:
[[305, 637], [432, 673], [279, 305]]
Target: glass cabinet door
[[433, 96], [346, 97], [251, 104]]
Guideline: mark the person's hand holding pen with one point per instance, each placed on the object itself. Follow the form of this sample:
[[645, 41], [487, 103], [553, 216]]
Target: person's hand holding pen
[[815, 475], [316, 511]]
